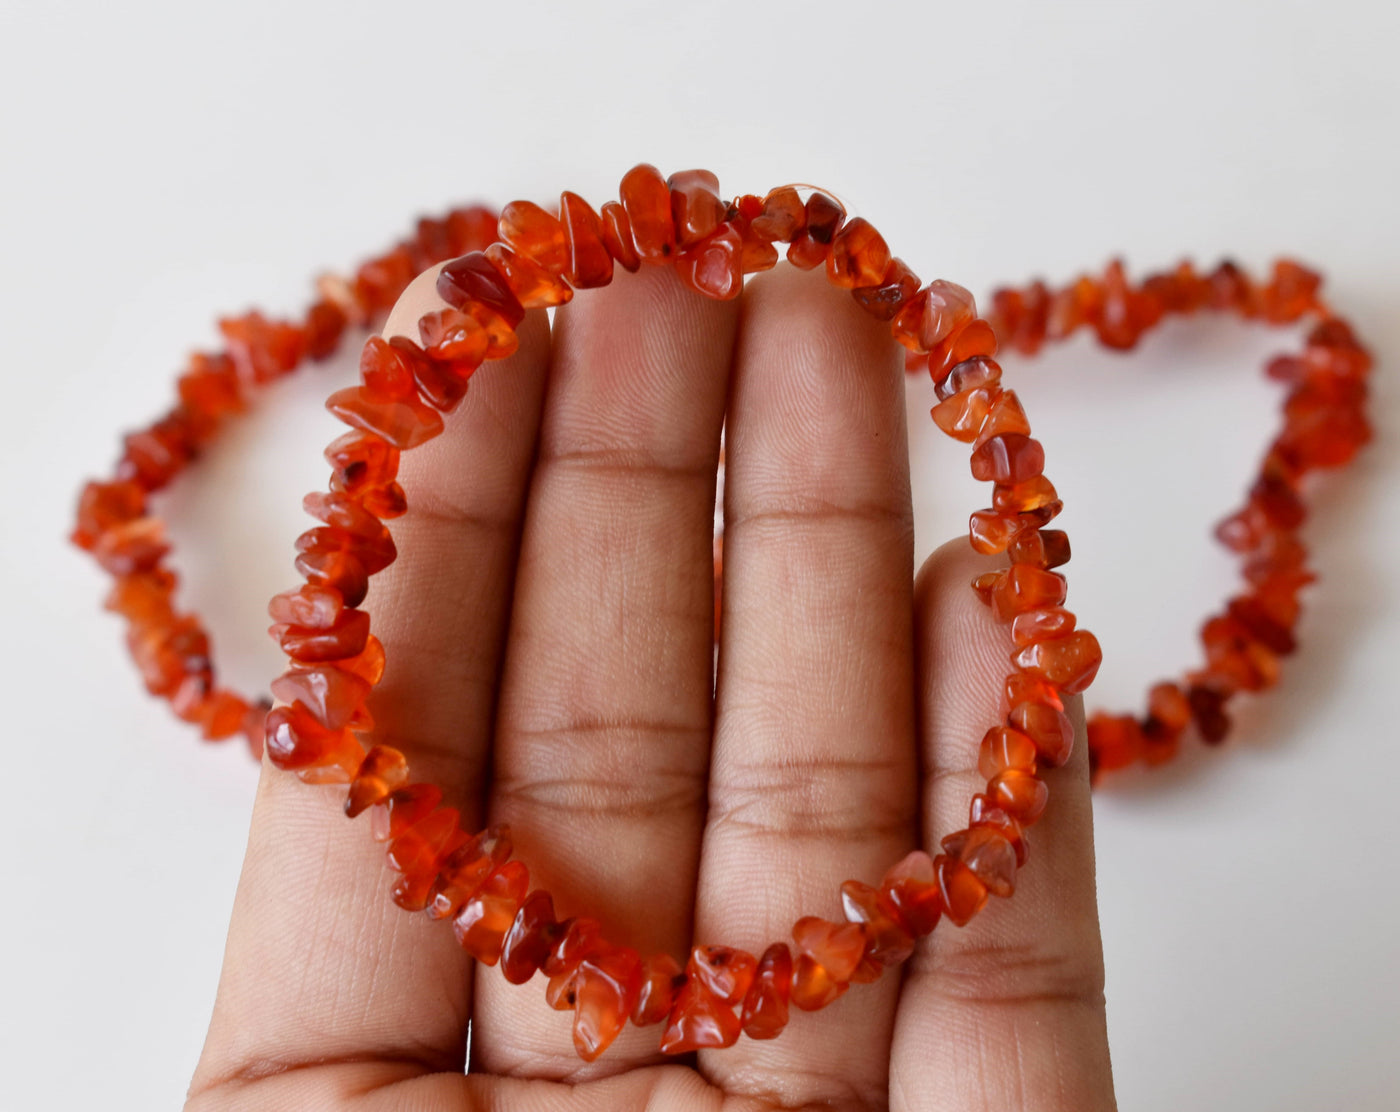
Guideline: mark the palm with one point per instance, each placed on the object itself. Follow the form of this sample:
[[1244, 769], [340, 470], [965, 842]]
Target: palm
[[554, 593]]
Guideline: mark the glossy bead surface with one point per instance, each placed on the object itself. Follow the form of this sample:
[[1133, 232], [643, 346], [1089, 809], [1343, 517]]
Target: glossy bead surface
[[662, 978], [605, 993], [935, 313], [765, 1011], [589, 264], [646, 200], [699, 1020], [536, 234], [1020, 794], [859, 256], [1008, 458], [485, 918], [964, 895], [1070, 662], [532, 934], [813, 986]]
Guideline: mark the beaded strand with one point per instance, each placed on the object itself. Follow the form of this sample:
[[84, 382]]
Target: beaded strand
[[529, 257]]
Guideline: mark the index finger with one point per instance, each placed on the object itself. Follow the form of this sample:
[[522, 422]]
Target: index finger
[[320, 965]]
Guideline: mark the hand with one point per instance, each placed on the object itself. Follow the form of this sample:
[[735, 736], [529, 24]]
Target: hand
[[549, 633]]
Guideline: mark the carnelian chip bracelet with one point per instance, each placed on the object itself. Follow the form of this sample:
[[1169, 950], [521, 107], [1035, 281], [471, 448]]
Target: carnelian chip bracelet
[[529, 257], [1324, 426]]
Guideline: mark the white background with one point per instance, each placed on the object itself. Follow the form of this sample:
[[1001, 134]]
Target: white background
[[161, 164]]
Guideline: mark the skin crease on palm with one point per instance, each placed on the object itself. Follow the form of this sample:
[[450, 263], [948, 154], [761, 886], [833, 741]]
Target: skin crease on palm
[[549, 633]]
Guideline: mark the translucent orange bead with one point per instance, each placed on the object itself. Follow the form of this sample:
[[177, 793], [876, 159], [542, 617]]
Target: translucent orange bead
[[713, 267], [482, 923], [983, 811], [971, 374], [617, 237], [296, 741], [347, 637], [1070, 662], [1020, 794], [535, 234], [662, 978], [386, 370], [442, 383], [473, 285], [470, 229], [264, 349], [419, 852], [757, 253], [884, 299], [696, 208], [1043, 548], [991, 532], [380, 281], [383, 769], [783, 215], [935, 313], [975, 340], [144, 597], [988, 854], [647, 202], [1167, 703], [813, 987], [333, 567], [1033, 494], [1050, 729], [889, 941], [533, 286], [1208, 713], [836, 947], [350, 526], [222, 715], [532, 934], [311, 606], [1031, 626], [765, 1011], [1115, 741], [401, 809], [370, 554], [168, 653], [1008, 458], [605, 993], [335, 697], [961, 415], [1004, 748], [1023, 587], [823, 218], [699, 1020], [210, 384], [964, 895], [419, 848], [103, 506], [133, 546], [466, 869], [859, 255], [368, 663], [581, 938], [589, 263], [361, 461], [983, 585], [722, 970], [912, 890], [404, 423]]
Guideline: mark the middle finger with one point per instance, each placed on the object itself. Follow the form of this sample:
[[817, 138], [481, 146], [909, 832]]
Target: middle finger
[[603, 734], [812, 780]]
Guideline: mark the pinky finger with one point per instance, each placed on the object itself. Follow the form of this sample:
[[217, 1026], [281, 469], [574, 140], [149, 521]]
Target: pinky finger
[[1007, 1012]]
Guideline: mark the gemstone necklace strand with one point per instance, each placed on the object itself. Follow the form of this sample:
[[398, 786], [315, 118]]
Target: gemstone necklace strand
[[526, 257]]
